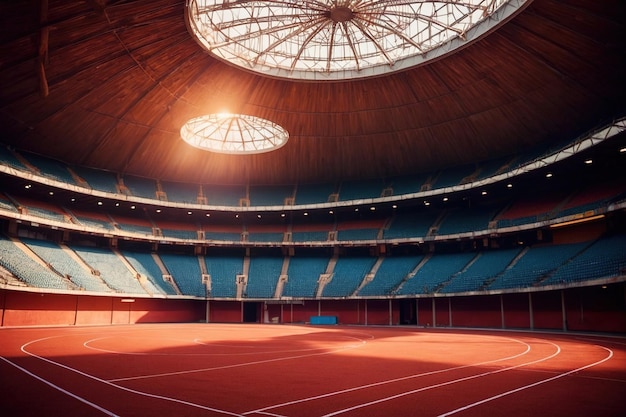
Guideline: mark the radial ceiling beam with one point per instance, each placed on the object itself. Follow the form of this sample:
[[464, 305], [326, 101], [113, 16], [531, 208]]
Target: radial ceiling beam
[[42, 58]]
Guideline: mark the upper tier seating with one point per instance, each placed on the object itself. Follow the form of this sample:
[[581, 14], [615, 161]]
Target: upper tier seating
[[314, 193], [141, 187], [135, 225], [270, 195], [181, 192], [360, 190], [8, 158], [91, 219], [359, 230], [42, 209], [525, 210], [224, 195], [6, 203], [466, 220], [97, 179], [410, 225], [452, 176], [50, 168], [407, 184]]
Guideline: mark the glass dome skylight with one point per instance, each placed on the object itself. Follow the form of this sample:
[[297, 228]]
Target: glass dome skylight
[[233, 134], [340, 39]]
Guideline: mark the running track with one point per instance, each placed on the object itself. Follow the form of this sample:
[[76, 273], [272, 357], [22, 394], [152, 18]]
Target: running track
[[307, 371]]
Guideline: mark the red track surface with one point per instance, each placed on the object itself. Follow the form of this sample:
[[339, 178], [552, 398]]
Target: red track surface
[[302, 371]]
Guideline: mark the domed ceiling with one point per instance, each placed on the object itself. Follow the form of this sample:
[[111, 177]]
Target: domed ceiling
[[109, 84]]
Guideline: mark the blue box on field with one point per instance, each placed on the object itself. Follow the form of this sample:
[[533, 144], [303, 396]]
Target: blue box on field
[[325, 320]]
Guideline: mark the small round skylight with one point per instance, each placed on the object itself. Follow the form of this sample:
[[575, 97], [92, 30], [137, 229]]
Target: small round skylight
[[233, 134], [340, 39]]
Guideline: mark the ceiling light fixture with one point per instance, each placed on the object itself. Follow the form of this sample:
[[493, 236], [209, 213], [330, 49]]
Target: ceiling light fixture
[[340, 39]]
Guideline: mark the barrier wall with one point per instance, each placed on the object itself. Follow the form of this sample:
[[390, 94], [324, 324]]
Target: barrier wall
[[21, 308], [597, 308]]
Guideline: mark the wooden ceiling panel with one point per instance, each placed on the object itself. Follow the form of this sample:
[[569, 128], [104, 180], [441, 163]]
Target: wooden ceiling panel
[[124, 76]]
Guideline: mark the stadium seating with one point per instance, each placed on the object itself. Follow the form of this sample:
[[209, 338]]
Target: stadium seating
[[263, 276], [13, 259], [360, 190], [55, 256], [181, 192], [270, 195], [435, 272], [604, 258], [223, 270], [391, 272], [466, 220], [347, 275], [111, 269], [535, 264], [146, 266], [97, 179], [486, 266], [410, 225], [186, 272], [314, 193], [303, 274], [140, 187]]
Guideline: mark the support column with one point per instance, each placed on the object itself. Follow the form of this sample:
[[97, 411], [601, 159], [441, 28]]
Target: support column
[[432, 303], [530, 311], [365, 312], [503, 325], [564, 311], [417, 310]]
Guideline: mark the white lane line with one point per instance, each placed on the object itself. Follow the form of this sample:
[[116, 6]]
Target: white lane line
[[45, 381], [443, 384], [390, 381], [543, 381], [146, 394], [237, 365]]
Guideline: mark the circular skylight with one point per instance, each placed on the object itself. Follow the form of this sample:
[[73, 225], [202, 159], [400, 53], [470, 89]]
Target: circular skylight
[[233, 134], [340, 39]]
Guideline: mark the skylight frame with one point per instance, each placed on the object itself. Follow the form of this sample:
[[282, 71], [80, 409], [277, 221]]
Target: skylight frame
[[340, 39]]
